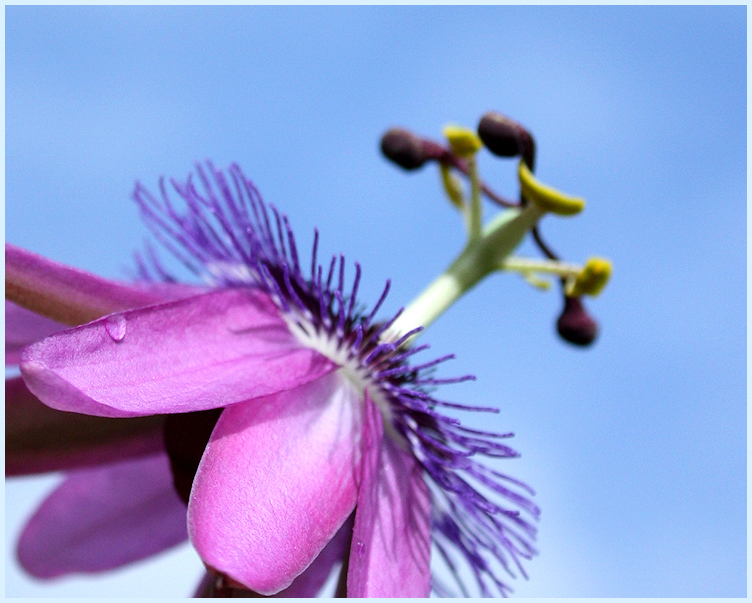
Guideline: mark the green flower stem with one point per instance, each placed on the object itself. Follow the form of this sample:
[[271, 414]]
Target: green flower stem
[[479, 258]]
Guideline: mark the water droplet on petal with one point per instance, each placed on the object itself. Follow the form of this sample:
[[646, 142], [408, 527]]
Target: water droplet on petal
[[115, 327], [361, 548]]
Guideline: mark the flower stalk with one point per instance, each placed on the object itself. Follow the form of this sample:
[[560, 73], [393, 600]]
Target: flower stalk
[[477, 260]]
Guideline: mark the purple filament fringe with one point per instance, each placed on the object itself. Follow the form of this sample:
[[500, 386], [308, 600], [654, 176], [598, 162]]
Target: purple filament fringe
[[228, 237]]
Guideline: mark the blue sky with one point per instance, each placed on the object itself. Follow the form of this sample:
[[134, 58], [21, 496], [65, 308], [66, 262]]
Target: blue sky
[[636, 446]]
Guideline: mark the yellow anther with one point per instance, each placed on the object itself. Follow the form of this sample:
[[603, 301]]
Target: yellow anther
[[452, 186], [546, 197], [464, 142], [592, 278]]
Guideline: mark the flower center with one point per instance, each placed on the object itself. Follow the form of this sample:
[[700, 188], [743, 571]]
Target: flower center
[[338, 348]]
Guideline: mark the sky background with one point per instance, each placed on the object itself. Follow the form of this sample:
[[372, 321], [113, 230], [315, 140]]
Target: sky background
[[636, 446]]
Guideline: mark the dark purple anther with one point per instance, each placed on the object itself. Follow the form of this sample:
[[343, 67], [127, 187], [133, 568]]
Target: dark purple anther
[[403, 148], [506, 138], [575, 324], [410, 152]]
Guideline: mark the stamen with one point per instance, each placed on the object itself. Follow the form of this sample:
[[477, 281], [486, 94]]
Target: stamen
[[403, 148], [546, 197], [575, 325], [452, 187], [592, 279], [506, 138], [464, 142]]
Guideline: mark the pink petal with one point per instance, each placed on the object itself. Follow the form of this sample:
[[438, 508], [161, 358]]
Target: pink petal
[[66, 294], [104, 518], [23, 327], [308, 584], [206, 351], [311, 581], [40, 439], [276, 482], [390, 552]]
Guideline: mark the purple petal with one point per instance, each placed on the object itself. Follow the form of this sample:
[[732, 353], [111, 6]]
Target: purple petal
[[276, 483], [207, 351], [66, 294], [23, 327], [39, 439], [104, 518], [390, 552]]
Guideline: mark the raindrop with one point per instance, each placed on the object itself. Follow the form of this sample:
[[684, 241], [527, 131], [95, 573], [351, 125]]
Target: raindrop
[[361, 548], [115, 327]]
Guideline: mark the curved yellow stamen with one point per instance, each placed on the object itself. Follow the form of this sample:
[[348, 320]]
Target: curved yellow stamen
[[452, 187], [592, 279], [464, 142], [546, 197]]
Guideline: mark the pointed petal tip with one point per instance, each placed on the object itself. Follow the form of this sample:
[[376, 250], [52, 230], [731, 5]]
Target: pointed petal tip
[[57, 393], [182, 356]]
